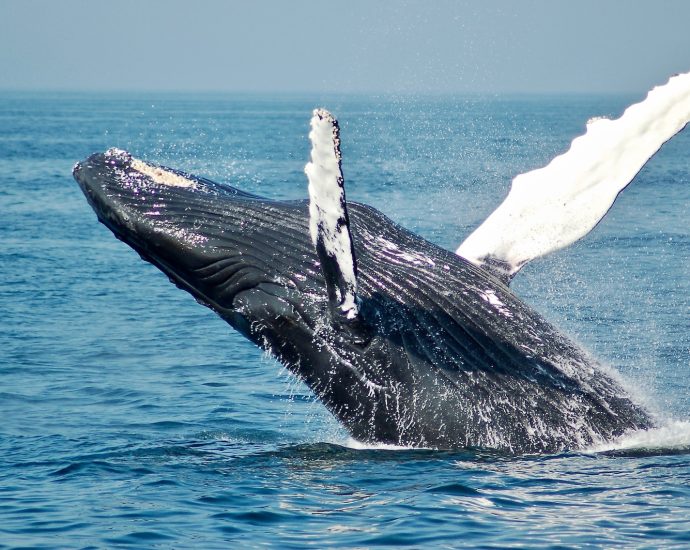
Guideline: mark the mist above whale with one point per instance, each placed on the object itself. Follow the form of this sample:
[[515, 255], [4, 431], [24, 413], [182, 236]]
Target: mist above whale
[[404, 342]]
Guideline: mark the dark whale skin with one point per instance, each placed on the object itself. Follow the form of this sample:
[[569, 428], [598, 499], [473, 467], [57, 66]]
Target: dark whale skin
[[443, 356]]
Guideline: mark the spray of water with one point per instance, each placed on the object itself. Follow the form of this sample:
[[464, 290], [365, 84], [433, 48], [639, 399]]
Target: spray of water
[[673, 435]]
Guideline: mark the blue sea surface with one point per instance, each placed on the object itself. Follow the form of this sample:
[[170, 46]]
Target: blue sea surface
[[130, 416]]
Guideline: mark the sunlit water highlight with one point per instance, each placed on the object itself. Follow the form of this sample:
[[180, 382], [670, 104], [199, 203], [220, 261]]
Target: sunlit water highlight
[[131, 416]]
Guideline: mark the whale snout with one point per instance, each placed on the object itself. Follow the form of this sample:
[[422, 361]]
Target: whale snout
[[211, 239], [129, 195], [98, 178]]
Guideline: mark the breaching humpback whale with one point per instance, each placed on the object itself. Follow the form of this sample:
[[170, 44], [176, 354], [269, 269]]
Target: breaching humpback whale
[[404, 342]]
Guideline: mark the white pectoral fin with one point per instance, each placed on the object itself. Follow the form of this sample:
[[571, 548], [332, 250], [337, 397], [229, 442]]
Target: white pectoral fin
[[552, 207], [328, 220]]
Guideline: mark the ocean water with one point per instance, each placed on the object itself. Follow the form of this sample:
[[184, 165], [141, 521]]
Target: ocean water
[[132, 417]]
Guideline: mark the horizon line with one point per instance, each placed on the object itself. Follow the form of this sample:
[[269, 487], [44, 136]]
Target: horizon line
[[307, 93]]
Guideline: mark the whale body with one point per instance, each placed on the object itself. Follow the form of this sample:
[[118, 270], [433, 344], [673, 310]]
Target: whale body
[[406, 343], [446, 355]]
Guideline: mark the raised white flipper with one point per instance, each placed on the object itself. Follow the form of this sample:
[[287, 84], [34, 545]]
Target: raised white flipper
[[329, 223], [549, 208]]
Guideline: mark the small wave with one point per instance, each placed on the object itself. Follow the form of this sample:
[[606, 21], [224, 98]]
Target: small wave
[[673, 436]]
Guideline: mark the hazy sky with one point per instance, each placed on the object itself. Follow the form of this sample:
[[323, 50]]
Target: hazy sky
[[361, 46]]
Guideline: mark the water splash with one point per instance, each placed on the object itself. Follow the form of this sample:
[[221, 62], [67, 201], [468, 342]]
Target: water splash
[[673, 435]]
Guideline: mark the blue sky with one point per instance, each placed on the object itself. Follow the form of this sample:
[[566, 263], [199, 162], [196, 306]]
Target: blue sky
[[405, 46]]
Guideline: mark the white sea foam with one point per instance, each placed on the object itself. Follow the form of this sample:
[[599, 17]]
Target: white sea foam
[[672, 435], [358, 445]]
